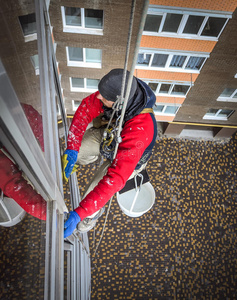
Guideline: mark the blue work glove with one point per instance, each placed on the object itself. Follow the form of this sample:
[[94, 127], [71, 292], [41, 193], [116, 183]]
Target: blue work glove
[[71, 223], [68, 161]]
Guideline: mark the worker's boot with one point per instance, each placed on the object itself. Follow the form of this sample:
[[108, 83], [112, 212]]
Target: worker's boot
[[88, 223]]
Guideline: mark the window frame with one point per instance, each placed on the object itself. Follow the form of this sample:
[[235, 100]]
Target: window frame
[[162, 113], [80, 29], [83, 63], [84, 89], [172, 84], [163, 11], [171, 54], [228, 99], [216, 117]]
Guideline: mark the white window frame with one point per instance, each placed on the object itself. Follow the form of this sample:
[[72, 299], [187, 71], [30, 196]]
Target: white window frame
[[216, 117], [34, 62], [172, 84], [83, 63], [80, 29], [169, 59], [228, 99], [75, 106], [84, 89], [162, 113], [162, 11]]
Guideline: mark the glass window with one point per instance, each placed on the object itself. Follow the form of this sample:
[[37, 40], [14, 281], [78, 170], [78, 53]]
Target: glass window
[[193, 24], [159, 60], [73, 16], [93, 18], [213, 26], [195, 63], [177, 61], [227, 92], [92, 83], [171, 110], [143, 59], [164, 88], [152, 23], [158, 108], [77, 82], [153, 86], [235, 95], [93, 55], [28, 24], [172, 22], [211, 112], [179, 89], [75, 54], [225, 113]]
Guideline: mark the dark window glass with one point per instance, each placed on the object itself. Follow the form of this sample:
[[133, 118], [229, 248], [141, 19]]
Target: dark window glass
[[164, 88], [195, 63], [225, 113], [152, 23], [159, 60], [213, 26], [153, 86], [193, 24], [172, 22], [179, 89], [227, 92], [93, 18], [28, 24]]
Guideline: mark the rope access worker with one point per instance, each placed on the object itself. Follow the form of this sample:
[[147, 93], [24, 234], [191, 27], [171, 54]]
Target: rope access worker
[[138, 135]]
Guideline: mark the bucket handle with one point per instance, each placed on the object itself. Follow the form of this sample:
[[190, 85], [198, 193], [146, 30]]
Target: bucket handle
[[137, 190]]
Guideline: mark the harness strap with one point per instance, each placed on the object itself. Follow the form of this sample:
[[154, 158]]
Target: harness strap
[[147, 111]]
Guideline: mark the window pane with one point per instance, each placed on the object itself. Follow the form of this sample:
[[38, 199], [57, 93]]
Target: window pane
[[165, 88], [78, 82], [73, 16], [227, 92], [193, 24], [212, 112], [152, 23], [177, 61], [92, 83], [143, 59], [28, 24], [180, 89], [225, 113], [172, 22], [158, 108], [153, 86], [75, 54], [235, 95], [170, 109], [159, 60], [213, 26], [94, 18], [93, 55], [195, 63]]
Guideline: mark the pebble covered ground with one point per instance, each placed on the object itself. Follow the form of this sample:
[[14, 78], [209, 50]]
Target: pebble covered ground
[[185, 247]]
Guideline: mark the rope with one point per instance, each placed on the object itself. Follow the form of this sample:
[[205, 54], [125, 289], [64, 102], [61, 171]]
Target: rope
[[117, 104]]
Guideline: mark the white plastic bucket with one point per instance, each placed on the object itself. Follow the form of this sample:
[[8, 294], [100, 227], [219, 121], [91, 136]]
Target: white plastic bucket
[[144, 201]]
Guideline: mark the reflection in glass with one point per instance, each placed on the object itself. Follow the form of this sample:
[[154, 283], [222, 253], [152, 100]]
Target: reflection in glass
[[164, 88], [143, 59], [153, 86], [172, 22], [73, 16], [177, 61], [193, 24], [227, 92], [152, 23], [179, 89], [159, 60], [195, 63], [94, 18], [213, 26]]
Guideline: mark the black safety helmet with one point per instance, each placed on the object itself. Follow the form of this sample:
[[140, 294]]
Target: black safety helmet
[[110, 85]]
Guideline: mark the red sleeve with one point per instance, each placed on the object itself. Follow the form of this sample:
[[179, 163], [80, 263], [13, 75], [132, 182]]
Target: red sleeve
[[136, 135], [89, 109]]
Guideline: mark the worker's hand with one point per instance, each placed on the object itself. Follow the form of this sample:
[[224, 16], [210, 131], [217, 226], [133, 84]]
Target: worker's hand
[[68, 161], [71, 223]]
